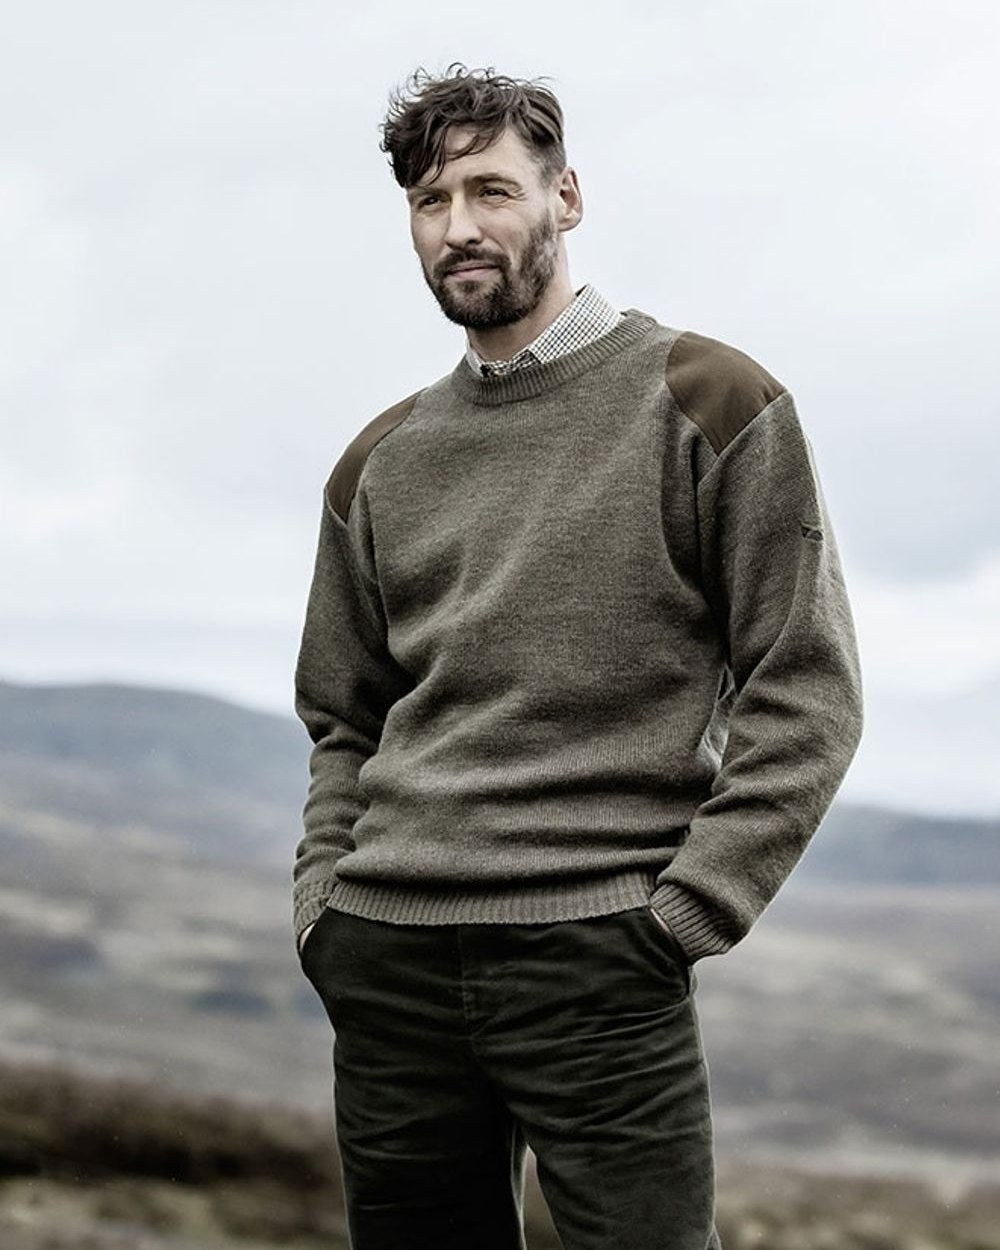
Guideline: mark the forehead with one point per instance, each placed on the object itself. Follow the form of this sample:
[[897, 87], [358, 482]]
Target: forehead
[[508, 154]]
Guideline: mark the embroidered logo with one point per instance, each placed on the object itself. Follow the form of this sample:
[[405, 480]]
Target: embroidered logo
[[812, 532]]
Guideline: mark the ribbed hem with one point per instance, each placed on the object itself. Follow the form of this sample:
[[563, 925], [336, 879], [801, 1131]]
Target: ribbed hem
[[693, 927], [508, 903], [537, 379]]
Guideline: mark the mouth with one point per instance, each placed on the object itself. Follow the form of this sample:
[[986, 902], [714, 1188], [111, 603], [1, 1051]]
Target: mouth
[[477, 270]]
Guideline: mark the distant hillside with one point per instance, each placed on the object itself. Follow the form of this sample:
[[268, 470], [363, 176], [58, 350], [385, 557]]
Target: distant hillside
[[166, 737], [230, 782], [146, 847], [873, 846], [226, 780]]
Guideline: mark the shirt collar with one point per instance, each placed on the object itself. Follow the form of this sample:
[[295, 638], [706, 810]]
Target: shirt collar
[[587, 318]]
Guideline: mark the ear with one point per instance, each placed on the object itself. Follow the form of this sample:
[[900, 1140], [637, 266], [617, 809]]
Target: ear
[[569, 208]]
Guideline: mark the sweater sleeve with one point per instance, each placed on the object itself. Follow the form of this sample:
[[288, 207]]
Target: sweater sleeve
[[772, 576], [345, 683]]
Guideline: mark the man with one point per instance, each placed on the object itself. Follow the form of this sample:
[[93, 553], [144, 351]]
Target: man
[[580, 673]]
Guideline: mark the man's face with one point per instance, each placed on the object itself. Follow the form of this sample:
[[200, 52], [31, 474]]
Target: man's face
[[485, 232]]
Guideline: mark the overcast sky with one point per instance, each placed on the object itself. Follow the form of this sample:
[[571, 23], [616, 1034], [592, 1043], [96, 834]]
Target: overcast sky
[[208, 288]]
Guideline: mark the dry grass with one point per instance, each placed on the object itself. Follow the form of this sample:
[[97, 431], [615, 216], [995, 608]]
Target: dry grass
[[99, 1164]]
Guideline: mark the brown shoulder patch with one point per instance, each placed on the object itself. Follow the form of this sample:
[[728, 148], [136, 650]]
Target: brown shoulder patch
[[717, 387], [343, 481]]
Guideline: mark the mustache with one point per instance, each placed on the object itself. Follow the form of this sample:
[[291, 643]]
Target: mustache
[[466, 256]]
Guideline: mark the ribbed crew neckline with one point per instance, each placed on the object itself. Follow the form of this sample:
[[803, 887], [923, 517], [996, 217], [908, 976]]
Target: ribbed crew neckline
[[535, 380]]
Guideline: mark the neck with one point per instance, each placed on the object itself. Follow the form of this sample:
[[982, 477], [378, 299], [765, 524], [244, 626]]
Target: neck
[[505, 341]]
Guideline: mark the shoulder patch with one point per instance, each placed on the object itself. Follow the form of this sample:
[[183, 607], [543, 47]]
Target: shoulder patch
[[343, 481], [717, 387]]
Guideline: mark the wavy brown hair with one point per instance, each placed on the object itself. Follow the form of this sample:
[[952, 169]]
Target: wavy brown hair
[[421, 113]]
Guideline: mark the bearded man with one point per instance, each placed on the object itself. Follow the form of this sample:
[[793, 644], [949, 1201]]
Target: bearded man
[[581, 679]]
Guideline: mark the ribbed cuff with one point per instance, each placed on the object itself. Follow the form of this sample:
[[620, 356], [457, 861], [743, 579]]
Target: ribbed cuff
[[308, 907], [695, 929]]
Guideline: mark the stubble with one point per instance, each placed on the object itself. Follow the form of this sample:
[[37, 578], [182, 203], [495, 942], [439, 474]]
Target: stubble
[[510, 298]]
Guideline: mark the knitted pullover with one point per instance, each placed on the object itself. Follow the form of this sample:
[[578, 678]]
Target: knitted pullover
[[577, 640]]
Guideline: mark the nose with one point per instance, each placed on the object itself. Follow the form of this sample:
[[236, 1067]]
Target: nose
[[463, 228]]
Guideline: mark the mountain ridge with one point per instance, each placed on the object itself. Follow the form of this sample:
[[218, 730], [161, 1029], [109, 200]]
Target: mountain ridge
[[229, 781]]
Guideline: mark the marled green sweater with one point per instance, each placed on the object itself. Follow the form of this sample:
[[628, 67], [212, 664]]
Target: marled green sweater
[[577, 640]]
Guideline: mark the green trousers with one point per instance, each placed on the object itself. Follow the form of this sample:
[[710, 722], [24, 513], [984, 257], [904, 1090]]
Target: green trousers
[[457, 1045]]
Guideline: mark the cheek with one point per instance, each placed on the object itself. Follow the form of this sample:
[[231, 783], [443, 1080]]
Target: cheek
[[424, 244]]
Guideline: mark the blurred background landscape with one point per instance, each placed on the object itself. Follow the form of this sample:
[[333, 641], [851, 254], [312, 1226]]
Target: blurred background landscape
[[144, 919], [207, 289]]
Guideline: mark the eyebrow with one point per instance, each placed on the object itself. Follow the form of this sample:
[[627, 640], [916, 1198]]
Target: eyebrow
[[511, 182], [421, 188]]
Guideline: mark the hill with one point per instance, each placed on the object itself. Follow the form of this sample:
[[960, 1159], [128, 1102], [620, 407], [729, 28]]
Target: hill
[[145, 848], [229, 783], [226, 782], [109, 1164]]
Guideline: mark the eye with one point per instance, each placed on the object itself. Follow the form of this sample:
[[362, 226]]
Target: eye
[[495, 192], [427, 201]]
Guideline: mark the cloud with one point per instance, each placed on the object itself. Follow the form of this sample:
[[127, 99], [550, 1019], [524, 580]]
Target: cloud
[[931, 637], [210, 289]]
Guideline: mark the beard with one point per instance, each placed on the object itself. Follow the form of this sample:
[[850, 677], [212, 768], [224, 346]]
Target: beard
[[511, 296]]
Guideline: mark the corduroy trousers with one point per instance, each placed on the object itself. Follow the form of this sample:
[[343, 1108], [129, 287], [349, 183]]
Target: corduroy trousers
[[457, 1045]]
